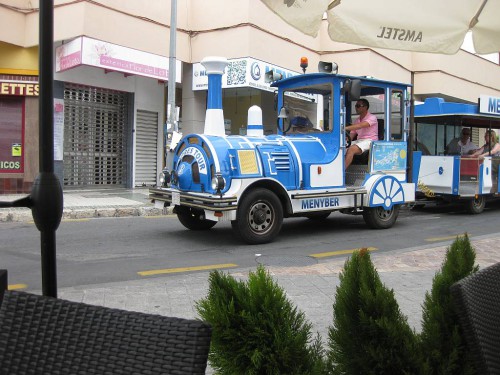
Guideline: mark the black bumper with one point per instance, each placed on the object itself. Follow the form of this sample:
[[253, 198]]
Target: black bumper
[[206, 202]]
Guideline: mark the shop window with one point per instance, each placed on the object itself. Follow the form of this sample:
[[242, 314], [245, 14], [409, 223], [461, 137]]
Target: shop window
[[12, 139]]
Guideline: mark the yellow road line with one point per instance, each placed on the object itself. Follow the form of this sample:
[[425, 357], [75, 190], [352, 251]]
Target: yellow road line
[[186, 269], [339, 252], [437, 239], [16, 286]]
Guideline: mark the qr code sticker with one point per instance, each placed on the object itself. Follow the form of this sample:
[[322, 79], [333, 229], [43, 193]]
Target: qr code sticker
[[236, 73]]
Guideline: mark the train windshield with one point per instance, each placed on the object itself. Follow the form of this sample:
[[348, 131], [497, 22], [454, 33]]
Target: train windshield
[[308, 109]]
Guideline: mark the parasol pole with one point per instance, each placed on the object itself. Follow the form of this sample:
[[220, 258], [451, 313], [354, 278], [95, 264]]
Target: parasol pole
[[46, 193]]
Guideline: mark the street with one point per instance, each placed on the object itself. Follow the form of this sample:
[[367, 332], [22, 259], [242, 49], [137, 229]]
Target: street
[[96, 251]]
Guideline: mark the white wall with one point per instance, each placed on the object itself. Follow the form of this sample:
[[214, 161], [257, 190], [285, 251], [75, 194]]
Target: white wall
[[244, 28], [193, 104]]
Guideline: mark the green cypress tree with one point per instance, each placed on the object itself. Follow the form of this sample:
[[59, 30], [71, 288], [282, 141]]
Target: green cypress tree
[[255, 329], [443, 347], [369, 333]]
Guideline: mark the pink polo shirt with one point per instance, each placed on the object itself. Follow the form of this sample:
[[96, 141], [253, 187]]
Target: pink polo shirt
[[370, 132]]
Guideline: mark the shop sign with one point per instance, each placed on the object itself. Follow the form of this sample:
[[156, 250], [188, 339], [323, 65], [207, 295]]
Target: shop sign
[[58, 129], [17, 149], [489, 105], [112, 57], [19, 88], [14, 164], [245, 72]]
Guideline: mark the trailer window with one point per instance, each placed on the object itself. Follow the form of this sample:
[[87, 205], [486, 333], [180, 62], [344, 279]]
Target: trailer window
[[432, 138]]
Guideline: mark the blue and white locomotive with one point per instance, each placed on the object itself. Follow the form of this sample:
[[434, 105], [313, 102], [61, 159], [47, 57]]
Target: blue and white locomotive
[[256, 180]]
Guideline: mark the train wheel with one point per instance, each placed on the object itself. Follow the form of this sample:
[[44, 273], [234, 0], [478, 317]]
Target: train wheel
[[380, 218], [476, 205], [259, 217], [193, 219]]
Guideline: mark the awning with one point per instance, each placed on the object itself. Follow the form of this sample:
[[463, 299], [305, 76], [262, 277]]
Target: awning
[[112, 57]]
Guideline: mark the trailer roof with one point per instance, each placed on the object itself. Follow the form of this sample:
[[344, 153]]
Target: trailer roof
[[436, 110]]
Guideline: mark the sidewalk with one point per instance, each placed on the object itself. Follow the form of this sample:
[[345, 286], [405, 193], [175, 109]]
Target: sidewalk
[[79, 204], [310, 288]]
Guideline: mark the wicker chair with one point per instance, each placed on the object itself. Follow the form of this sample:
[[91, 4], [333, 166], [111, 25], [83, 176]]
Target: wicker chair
[[44, 335], [477, 301], [3, 284]]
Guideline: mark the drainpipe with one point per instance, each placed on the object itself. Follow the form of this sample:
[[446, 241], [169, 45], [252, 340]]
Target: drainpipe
[[172, 125]]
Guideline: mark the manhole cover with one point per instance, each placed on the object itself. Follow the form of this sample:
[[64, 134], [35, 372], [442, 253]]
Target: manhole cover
[[286, 260]]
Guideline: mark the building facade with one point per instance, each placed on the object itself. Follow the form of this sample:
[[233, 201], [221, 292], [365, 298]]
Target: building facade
[[111, 71]]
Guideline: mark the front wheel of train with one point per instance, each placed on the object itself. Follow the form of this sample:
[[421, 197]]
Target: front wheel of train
[[380, 218], [193, 219], [259, 217]]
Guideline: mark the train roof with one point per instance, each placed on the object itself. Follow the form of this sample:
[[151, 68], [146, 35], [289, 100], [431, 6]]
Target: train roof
[[317, 76]]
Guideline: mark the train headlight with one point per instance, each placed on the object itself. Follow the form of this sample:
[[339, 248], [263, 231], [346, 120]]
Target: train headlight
[[164, 177], [174, 177], [218, 183]]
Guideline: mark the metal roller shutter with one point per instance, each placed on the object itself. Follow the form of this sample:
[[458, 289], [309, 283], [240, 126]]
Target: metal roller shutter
[[95, 137], [146, 143]]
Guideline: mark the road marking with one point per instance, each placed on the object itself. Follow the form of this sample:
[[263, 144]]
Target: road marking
[[438, 239], [16, 286], [339, 252], [75, 220], [186, 269]]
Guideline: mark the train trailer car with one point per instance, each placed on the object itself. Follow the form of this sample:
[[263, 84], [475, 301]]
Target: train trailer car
[[256, 180], [449, 168]]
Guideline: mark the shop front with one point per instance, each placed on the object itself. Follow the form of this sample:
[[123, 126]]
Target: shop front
[[113, 105], [18, 126]]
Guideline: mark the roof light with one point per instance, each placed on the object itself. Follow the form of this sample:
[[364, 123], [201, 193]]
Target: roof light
[[304, 63]]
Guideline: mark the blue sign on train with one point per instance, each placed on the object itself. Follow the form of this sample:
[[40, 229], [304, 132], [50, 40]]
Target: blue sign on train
[[388, 156]]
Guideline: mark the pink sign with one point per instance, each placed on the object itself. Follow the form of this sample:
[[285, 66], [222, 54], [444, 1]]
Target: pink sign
[[132, 67], [70, 61], [112, 57]]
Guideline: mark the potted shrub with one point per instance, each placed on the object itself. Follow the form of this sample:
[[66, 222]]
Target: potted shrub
[[256, 329]]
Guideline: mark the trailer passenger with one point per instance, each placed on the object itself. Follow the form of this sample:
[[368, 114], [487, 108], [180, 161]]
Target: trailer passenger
[[491, 147], [462, 145], [363, 131]]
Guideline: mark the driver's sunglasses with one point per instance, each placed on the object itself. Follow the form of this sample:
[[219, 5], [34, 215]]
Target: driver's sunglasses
[[359, 105]]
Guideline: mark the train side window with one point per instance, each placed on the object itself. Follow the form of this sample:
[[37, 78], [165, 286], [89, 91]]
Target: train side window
[[397, 106], [376, 98]]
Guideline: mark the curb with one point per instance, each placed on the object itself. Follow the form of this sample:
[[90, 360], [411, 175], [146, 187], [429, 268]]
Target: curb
[[24, 214]]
